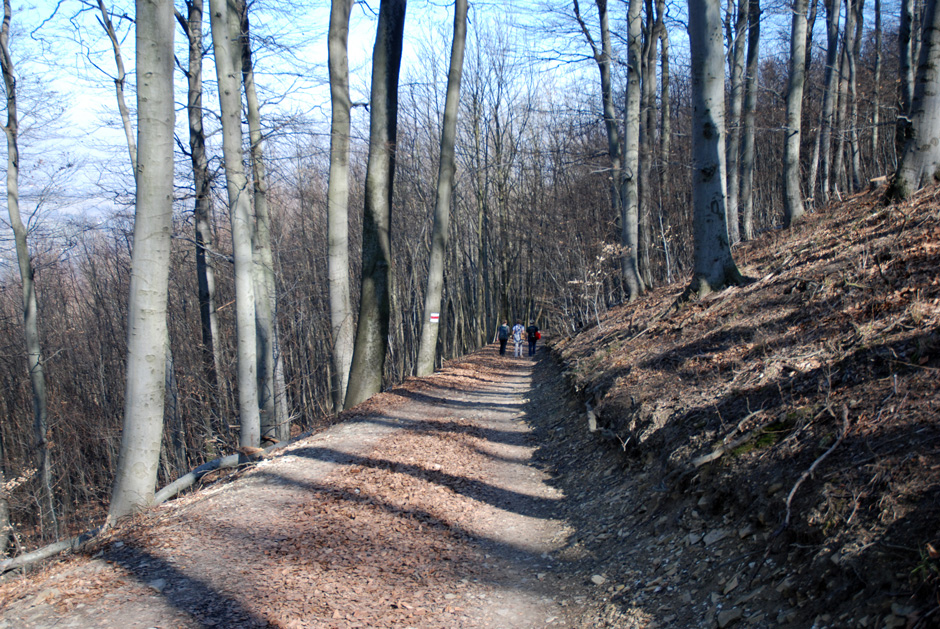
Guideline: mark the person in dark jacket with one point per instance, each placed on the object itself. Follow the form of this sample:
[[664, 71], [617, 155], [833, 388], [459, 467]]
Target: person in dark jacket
[[532, 335], [502, 333]]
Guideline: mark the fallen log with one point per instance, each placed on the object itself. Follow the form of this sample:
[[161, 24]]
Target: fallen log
[[45, 552], [170, 491]]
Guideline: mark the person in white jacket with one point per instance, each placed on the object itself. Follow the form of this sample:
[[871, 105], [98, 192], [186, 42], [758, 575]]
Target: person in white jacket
[[518, 332]]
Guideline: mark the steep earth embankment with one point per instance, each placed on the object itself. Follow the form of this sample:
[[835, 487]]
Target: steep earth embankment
[[780, 441]]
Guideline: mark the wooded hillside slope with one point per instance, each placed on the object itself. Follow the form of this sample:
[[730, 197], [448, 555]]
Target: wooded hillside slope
[[799, 412]]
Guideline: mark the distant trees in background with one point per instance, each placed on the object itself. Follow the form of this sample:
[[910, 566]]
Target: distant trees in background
[[30, 307], [540, 220]]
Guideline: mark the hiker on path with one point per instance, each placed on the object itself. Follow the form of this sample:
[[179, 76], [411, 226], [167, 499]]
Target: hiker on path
[[502, 333], [532, 335], [517, 332]]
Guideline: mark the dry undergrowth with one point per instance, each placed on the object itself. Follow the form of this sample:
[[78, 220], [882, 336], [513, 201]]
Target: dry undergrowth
[[831, 355]]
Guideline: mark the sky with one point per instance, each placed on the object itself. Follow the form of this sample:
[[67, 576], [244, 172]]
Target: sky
[[72, 139], [66, 70]]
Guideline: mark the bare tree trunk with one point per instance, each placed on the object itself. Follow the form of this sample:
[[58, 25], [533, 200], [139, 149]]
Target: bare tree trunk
[[665, 96], [147, 331], [175, 419], [738, 45], [365, 375], [813, 165], [6, 528], [274, 421], [202, 205], [876, 93], [829, 99], [793, 197], [34, 360], [714, 266], [602, 56], [445, 185], [854, 52], [226, 31], [839, 175], [105, 21], [810, 25], [647, 132], [906, 71], [629, 187], [746, 198], [920, 161], [341, 313]]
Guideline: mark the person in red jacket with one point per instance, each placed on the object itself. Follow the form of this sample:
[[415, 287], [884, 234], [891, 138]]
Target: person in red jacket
[[532, 335]]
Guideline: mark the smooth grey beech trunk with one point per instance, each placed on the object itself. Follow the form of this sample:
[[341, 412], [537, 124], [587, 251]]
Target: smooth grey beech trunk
[[876, 98], [906, 74], [839, 179], [629, 186], [714, 267], [271, 395], [824, 137], [5, 528], [202, 204], [810, 26], [920, 162], [34, 360], [365, 375], [602, 56], [226, 33], [127, 124], [427, 346], [665, 96], [153, 220], [647, 159], [738, 45], [337, 202], [792, 195], [858, 8], [746, 197]]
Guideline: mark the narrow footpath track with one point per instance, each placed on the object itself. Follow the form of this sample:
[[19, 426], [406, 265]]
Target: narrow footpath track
[[428, 506]]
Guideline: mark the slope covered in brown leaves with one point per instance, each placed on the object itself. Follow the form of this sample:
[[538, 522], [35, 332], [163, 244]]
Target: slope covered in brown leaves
[[798, 415]]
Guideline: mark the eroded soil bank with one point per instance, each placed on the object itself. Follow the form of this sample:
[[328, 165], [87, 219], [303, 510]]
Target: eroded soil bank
[[780, 440]]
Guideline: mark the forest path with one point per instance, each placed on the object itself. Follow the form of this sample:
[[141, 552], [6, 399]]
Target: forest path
[[426, 508]]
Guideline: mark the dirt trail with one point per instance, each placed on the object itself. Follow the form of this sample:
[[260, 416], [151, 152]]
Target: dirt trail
[[425, 508]]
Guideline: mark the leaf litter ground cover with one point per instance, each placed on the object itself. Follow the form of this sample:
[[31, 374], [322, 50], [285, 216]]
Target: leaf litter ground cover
[[421, 509], [785, 434], [765, 457]]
